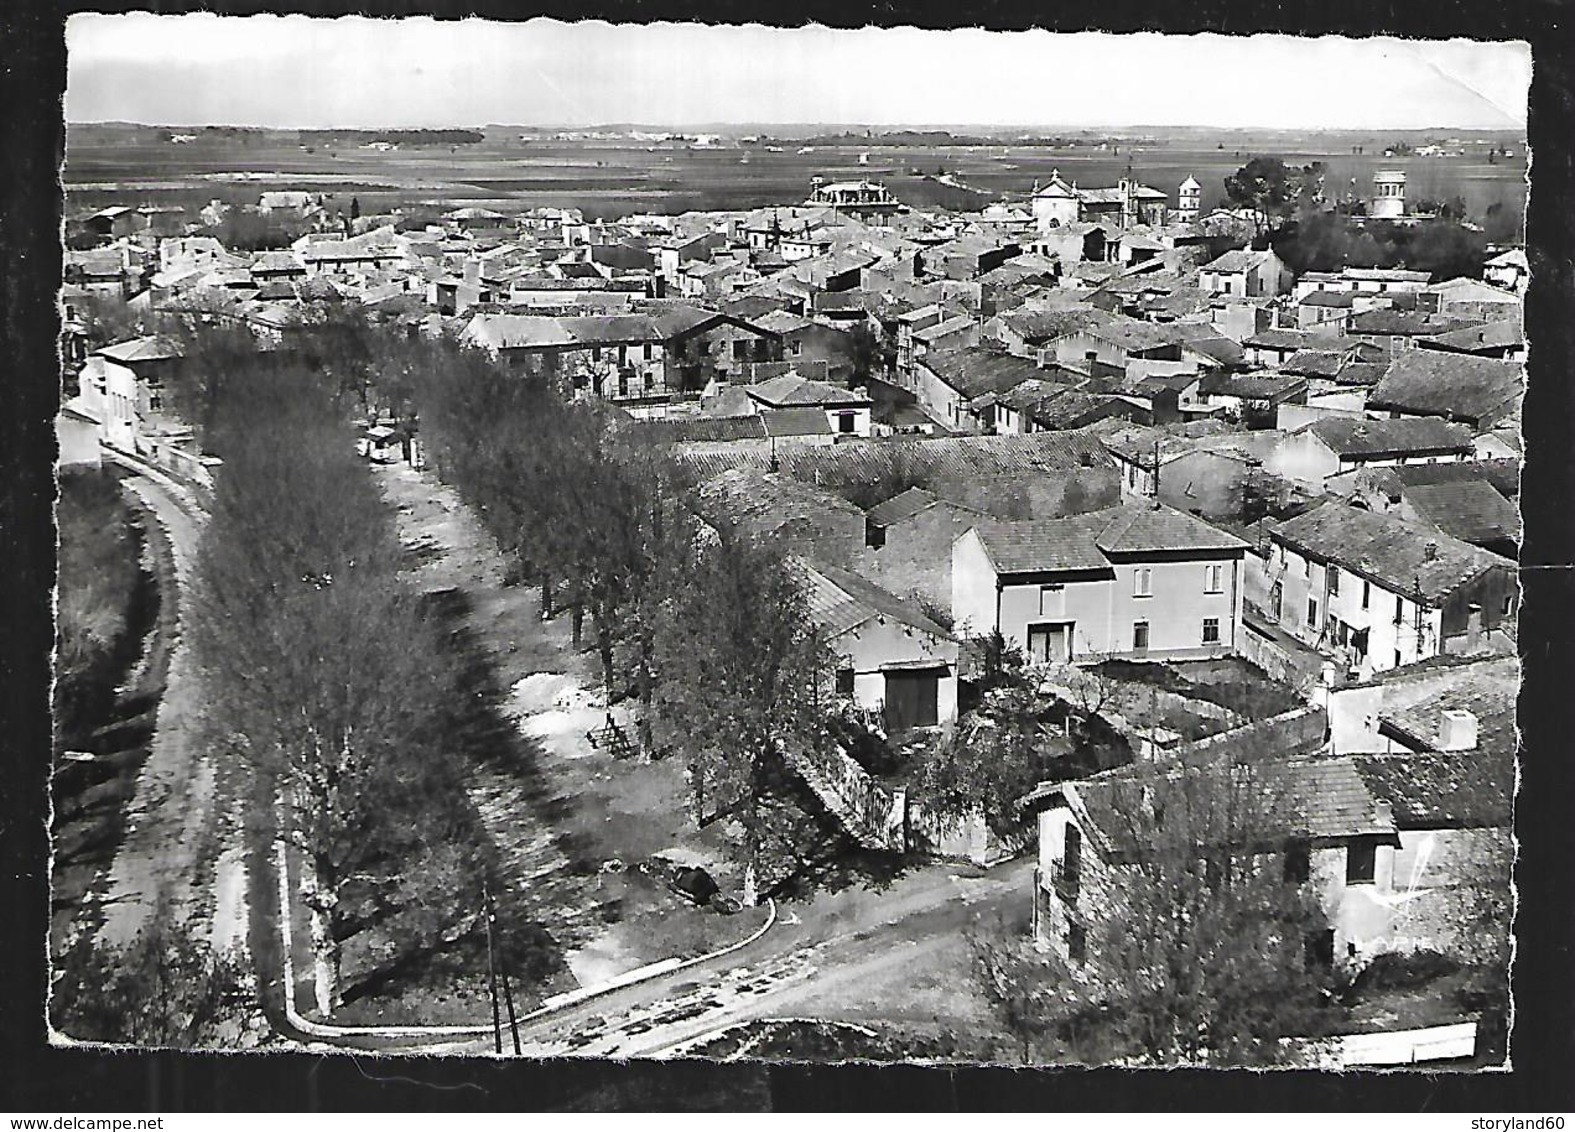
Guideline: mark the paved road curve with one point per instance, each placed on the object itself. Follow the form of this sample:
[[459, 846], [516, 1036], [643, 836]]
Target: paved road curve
[[794, 970]]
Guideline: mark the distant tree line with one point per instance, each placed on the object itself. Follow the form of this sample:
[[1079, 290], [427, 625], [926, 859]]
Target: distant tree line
[[1308, 236], [1328, 241], [397, 137]]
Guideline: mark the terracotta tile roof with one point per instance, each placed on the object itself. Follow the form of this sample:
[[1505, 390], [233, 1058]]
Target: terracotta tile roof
[[1086, 541], [1506, 333], [1504, 475], [1408, 436], [1039, 326], [1256, 386], [1470, 510], [1390, 551], [149, 348], [904, 505], [681, 430], [1214, 346], [1236, 261], [1316, 363], [792, 391], [1283, 339], [1046, 546], [1472, 291], [945, 328], [1328, 299], [1142, 527], [1443, 790], [806, 421], [1319, 798], [1404, 323], [1074, 408], [1462, 387], [976, 370], [763, 502], [958, 459], [842, 601]]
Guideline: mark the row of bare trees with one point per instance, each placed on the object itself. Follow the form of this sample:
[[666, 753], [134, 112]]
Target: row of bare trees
[[326, 672], [707, 628]]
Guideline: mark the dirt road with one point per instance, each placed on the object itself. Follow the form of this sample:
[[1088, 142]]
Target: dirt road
[[183, 834]]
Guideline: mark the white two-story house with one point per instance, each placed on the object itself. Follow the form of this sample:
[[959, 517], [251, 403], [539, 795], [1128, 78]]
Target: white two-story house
[[1137, 580]]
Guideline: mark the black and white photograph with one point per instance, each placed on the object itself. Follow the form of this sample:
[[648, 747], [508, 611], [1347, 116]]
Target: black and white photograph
[[673, 540]]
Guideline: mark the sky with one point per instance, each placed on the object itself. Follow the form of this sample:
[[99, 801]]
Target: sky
[[295, 71]]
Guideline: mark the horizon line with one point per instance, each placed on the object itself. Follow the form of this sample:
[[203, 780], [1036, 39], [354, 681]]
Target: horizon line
[[890, 126]]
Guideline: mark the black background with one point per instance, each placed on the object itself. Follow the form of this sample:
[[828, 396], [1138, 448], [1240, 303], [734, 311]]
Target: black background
[[34, 1077]]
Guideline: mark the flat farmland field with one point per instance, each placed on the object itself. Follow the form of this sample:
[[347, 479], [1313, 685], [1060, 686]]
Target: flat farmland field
[[607, 178]]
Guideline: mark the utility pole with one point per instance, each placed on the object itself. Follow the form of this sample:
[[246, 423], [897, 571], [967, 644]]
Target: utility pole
[[492, 971], [508, 995]]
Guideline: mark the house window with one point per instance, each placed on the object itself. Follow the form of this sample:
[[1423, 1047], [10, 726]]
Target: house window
[[1367, 592], [738, 350], [1361, 862], [795, 348], [845, 423], [1306, 567], [1298, 863], [647, 351], [1312, 611], [1399, 610], [1049, 599], [1211, 630], [1143, 582], [1076, 942], [1227, 285], [1213, 578], [1140, 636], [596, 353], [845, 682], [1333, 576]]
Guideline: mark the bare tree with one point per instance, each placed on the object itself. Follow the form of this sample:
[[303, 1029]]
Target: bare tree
[[319, 665], [739, 667]]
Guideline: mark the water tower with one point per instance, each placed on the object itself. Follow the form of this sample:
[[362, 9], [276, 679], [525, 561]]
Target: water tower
[[1388, 195], [1189, 201]]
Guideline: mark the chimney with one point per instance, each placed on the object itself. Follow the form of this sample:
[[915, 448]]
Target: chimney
[[1430, 550], [472, 271], [1459, 731], [1383, 813]]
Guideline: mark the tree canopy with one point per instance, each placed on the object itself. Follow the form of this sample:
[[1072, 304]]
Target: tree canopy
[[1273, 190]]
